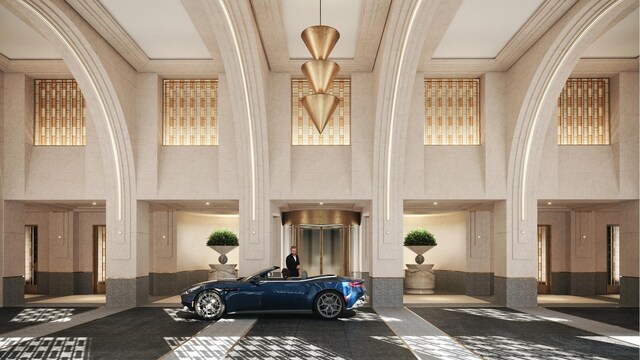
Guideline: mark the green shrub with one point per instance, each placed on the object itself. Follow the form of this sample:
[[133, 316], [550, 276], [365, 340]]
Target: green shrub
[[223, 237], [419, 237]]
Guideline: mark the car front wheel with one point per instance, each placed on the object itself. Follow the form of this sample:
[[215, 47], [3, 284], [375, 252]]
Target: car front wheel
[[329, 305], [209, 305]]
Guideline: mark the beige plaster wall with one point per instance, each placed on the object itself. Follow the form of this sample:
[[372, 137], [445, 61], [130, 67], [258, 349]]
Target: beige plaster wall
[[193, 229], [450, 231], [41, 220], [83, 252], [560, 238]]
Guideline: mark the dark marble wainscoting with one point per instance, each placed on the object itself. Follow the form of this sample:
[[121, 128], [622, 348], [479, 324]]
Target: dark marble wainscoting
[[468, 283], [173, 283], [128, 292], [513, 292], [13, 290], [629, 291]]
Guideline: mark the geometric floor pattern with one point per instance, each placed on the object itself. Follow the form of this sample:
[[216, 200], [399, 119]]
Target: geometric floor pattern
[[500, 347], [498, 314], [200, 347], [173, 313], [43, 315], [438, 347], [54, 348], [279, 347]]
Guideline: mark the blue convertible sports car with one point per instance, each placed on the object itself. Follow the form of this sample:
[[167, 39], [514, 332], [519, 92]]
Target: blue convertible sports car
[[325, 295]]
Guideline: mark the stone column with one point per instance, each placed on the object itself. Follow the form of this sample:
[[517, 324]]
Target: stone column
[[13, 254], [286, 243], [61, 241], [629, 249], [163, 263], [128, 257], [515, 260], [479, 278]]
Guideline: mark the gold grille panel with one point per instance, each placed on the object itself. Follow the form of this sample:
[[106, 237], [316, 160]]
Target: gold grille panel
[[60, 114], [338, 129], [583, 112], [452, 112], [190, 112]]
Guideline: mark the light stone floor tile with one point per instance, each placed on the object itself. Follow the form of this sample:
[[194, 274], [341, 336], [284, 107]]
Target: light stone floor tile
[[91, 299], [602, 329], [213, 342], [425, 340], [572, 300], [52, 327]]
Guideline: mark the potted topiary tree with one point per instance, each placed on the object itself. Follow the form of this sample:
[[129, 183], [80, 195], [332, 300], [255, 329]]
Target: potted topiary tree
[[420, 241], [222, 241], [419, 278]]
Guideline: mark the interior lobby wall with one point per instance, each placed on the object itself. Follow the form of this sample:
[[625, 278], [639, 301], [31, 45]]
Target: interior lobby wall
[[192, 235], [212, 170], [450, 231]]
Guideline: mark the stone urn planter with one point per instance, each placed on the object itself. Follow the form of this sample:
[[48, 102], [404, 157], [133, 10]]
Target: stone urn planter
[[419, 278], [223, 241]]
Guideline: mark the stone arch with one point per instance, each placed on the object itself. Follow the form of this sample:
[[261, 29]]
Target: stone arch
[[94, 65], [396, 68], [236, 36], [546, 68]]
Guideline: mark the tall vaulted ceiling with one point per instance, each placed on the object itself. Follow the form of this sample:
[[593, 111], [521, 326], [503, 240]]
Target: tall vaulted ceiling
[[471, 36]]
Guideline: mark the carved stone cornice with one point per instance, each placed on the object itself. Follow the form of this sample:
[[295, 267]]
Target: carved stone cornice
[[545, 16], [268, 16], [604, 67], [4, 63], [102, 21], [43, 69]]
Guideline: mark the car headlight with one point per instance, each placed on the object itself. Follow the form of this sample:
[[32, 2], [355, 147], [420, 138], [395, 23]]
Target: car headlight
[[188, 291]]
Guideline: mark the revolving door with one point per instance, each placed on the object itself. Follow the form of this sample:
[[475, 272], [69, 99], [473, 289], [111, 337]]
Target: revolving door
[[325, 239]]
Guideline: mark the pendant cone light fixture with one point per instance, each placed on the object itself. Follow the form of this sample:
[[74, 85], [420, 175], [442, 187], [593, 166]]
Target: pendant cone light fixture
[[320, 72]]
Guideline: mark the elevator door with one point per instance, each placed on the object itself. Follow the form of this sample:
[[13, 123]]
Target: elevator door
[[322, 249]]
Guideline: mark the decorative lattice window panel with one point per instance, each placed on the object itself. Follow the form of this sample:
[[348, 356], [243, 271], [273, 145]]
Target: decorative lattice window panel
[[338, 129], [60, 113], [452, 112], [583, 112], [190, 112]]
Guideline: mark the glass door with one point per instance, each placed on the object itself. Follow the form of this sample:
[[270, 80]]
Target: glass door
[[544, 259], [31, 259], [100, 259], [322, 249]]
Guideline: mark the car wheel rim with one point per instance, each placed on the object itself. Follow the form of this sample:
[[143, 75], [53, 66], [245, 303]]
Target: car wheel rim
[[329, 305], [209, 305]]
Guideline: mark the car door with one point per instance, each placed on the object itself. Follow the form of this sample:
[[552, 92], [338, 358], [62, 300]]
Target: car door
[[246, 297], [283, 295]]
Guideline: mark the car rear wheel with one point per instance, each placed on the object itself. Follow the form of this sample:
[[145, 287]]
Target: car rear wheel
[[329, 305], [209, 305]]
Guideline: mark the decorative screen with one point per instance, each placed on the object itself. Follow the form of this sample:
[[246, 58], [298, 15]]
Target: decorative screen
[[60, 115], [338, 129], [452, 112], [190, 112], [583, 112]]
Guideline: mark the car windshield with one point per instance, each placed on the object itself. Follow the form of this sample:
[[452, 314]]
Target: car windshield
[[261, 273]]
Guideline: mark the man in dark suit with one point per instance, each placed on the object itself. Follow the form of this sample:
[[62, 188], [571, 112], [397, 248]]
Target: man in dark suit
[[293, 262]]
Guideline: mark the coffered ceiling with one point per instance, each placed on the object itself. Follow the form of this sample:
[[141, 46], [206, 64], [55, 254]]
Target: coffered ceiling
[[471, 36]]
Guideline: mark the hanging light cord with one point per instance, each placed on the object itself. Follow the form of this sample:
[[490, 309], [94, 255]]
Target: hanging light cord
[[320, 1]]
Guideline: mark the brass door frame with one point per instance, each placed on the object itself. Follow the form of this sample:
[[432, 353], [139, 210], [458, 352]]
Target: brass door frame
[[546, 288], [611, 288], [32, 288], [97, 287], [346, 238]]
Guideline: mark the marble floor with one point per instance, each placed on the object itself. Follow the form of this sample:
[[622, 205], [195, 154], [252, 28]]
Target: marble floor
[[439, 326]]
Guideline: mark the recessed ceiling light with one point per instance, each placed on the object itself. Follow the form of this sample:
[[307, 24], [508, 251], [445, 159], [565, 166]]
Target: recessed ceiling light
[[207, 203], [94, 203], [321, 203], [435, 203], [549, 203]]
